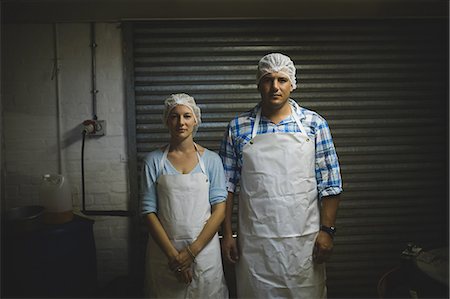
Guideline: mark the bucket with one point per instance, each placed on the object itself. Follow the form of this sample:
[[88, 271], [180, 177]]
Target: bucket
[[23, 219], [56, 197]]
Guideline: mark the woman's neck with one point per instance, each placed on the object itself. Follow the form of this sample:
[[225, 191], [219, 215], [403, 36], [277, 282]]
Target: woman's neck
[[185, 145]]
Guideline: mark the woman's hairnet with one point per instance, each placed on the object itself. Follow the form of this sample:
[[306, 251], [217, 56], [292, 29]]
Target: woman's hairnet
[[276, 62], [181, 99]]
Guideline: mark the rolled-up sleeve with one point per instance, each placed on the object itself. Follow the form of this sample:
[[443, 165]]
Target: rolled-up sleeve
[[328, 176], [217, 190], [148, 189], [230, 160]]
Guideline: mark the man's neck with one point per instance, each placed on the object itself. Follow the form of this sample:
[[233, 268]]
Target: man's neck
[[276, 115]]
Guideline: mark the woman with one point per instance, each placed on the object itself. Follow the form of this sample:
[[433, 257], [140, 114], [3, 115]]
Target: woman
[[183, 201]]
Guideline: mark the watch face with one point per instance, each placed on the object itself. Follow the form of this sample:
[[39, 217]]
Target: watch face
[[328, 229]]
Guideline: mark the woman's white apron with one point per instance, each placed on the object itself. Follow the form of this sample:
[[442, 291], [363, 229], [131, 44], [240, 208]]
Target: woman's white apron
[[183, 209], [279, 217]]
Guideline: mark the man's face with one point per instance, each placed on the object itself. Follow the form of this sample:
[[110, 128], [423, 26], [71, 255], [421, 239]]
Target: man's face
[[275, 89]]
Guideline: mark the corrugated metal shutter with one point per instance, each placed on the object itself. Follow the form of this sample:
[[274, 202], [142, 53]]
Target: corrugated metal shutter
[[381, 84]]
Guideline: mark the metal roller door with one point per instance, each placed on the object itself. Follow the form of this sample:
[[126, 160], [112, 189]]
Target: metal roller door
[[381, 84]]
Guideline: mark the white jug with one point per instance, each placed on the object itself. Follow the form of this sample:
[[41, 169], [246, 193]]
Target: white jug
[[56, 197]]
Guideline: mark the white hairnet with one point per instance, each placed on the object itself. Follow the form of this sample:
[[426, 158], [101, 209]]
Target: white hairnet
[[181, 99], [276, 62]]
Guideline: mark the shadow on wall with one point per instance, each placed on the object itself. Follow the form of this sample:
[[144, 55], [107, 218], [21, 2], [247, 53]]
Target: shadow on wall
[[72, 136]]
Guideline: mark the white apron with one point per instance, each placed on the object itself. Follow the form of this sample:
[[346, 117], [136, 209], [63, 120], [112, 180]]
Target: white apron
[[183, 209], [279, 217]]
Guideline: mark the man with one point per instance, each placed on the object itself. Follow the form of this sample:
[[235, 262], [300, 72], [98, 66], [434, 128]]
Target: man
[[283, 157]]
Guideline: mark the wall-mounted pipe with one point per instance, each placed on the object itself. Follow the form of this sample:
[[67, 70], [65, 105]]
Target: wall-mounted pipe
[[56, 77], [94, 90]]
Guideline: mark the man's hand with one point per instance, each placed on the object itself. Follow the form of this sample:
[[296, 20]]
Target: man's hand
[[230, 249], [323, 247]]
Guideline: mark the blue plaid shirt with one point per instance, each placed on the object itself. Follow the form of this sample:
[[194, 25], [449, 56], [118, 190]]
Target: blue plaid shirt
[[239, 132]]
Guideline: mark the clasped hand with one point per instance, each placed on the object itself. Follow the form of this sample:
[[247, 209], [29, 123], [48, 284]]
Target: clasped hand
[[181, 266]]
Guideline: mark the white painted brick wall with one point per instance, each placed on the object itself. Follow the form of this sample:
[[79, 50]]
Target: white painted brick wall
[[30, 126], [29, 111]]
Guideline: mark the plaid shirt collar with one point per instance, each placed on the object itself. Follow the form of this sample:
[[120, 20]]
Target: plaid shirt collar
[[296, 107]]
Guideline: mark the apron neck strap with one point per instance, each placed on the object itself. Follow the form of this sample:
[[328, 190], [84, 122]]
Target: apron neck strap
[[166, 152], [297, 120], [163, 159], [200, 160], [258, 119], [256, 124]]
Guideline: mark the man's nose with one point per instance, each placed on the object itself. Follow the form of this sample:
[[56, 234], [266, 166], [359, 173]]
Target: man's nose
[[275, 85]]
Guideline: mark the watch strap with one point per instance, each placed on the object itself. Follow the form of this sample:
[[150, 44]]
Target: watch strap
[[331, 230]]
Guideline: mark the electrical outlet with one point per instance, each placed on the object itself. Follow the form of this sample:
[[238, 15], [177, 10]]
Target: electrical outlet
[[95, 127], [100, 128]]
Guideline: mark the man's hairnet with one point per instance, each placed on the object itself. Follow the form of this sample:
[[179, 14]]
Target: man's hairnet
[[276, 62], [182, 99]]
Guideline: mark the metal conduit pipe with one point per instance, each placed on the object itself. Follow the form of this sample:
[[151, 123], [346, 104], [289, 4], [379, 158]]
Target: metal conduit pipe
[[56, 77], [94, 90]]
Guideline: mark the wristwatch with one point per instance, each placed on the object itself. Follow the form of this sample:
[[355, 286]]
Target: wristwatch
[[331, 230]]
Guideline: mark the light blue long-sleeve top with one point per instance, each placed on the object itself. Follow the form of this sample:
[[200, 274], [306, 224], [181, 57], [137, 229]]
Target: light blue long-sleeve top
[[151, 172]]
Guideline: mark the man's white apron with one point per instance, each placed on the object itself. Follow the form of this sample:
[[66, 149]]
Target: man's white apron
[[183, 209], [279, 217]]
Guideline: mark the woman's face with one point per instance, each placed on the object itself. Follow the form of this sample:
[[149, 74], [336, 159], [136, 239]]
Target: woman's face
[[181, 122]]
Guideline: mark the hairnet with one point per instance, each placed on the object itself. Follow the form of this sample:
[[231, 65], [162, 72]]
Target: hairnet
[[276, 62], [181, 99]]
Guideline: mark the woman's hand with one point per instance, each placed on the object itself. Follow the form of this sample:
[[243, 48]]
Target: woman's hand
[[181, 262], [184, 276], [181, 266]]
